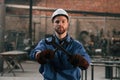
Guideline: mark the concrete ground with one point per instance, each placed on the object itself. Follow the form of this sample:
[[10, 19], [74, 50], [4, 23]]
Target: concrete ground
[[31, 73]]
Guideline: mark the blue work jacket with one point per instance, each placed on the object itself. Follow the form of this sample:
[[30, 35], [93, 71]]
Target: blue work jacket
[[60, 68]]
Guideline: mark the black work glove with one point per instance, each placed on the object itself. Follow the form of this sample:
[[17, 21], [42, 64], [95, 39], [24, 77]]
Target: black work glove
[[45, 55], [78, 60]]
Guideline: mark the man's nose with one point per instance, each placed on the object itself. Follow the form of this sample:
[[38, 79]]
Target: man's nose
[[60, 23]]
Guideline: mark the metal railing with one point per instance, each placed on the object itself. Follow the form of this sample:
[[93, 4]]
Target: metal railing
[[109, 65]]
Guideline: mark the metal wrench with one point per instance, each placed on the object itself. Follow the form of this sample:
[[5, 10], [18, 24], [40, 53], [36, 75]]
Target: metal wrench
[[51, 41]]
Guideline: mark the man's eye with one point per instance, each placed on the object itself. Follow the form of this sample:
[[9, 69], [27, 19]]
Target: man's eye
[[57, 21], [63, 21]]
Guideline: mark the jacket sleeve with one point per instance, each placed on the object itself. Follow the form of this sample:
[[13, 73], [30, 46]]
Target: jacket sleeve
[[40, 47], [81, 50]]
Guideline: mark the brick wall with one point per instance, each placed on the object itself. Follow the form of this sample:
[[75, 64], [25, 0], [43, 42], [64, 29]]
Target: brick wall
[[79, 22], [1, 1], [108, 6]]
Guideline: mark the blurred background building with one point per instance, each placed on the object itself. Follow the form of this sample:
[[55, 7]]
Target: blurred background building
[[96, 23]]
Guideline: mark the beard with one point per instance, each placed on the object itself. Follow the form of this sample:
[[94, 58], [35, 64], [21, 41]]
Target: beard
[[60, 30]]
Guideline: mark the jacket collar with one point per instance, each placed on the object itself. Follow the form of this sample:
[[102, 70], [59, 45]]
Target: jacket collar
[[67, 39]]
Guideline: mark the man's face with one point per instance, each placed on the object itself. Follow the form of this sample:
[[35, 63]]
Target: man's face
[[60, 24]]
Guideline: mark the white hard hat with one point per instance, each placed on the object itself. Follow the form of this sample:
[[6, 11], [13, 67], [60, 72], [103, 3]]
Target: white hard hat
[[59, 12]]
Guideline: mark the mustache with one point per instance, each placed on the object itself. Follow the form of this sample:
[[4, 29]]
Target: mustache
[[60, 27]]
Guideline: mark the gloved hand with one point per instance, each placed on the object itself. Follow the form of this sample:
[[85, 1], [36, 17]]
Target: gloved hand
[[78, 60], [45, 55]]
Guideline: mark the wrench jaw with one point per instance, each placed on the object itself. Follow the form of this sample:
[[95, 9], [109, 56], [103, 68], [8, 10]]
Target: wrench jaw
[[50, 40]]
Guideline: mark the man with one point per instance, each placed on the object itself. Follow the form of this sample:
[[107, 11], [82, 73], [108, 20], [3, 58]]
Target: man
[[55, 63]]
